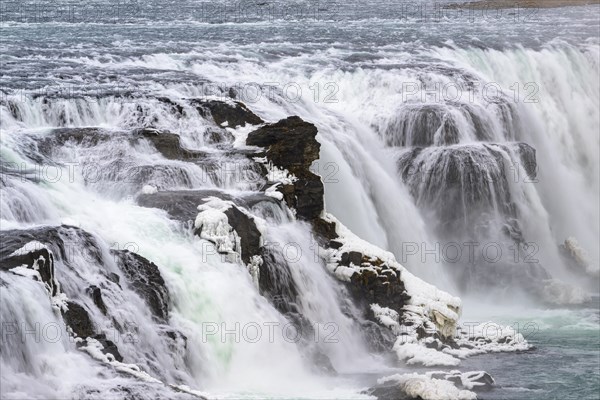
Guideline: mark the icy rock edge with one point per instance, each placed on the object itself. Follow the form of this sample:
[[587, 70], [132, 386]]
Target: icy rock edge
[[423, 319]]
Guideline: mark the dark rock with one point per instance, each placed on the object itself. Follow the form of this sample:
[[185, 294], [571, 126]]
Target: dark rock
[[78, 319], [85, 137], [96, 295], [246, 230], [233, 113], [528, 159], [292, 145], [218, 137], [39, 259], [182, 205], [176, 108], [325, 232], [109, 347], [58, 239], [276, 282], [352, 257], [334, 244], [374, 282], [168, 144], [310, 193], [146, 280]]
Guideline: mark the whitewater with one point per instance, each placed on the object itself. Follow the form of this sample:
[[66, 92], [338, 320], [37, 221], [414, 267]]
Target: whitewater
[[152, 250]]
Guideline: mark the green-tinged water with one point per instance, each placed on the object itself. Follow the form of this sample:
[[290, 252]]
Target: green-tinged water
[[564, 364]]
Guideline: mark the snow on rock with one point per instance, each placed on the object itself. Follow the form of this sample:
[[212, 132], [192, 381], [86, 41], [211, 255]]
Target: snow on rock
[[427, 388], [213, 225], [387, 317], [424, 318], [425, 306], [414, 352], [280, 175], [27, 272], [273, 192], [488, 337], [472, 380], [94, 348], [29, 247], [39, 266], [149, 189], [254, 269]]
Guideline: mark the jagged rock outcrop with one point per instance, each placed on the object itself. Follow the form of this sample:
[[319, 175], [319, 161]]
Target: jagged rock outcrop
[[36, 257], [374, 282], [291, 145], [146, 280], [226, 113], [42, 250]]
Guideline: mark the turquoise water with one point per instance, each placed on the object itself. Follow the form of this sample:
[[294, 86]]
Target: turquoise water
[[564, 363]]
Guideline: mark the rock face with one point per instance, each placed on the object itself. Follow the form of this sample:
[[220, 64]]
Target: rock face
[[78, 319], [231, 114], [377, 282], [37, 258], [168, 144], [291, 145], [146, 280], [47, 248]]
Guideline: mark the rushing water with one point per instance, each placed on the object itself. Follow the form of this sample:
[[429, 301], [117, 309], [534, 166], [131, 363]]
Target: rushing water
[[369, 76]]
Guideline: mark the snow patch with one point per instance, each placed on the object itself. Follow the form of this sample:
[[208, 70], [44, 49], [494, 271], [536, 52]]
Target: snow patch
[[30, 247], [149, 189], [213, 225], [428, 388]]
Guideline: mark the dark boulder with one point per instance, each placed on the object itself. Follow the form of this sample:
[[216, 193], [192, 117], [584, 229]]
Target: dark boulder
[[218, 137], [168, 144], [528, 158], [176, 108], [275, 281], [77, 318], [39, 259], [146, 280], [291, 144], [96, 294], [245, 227], [109, 347], [233, 113]]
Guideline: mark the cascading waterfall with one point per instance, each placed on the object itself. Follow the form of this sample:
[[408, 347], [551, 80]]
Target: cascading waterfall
[[407, 165]]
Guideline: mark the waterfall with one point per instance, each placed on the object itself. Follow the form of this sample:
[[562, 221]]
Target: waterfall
[[426, 149]]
